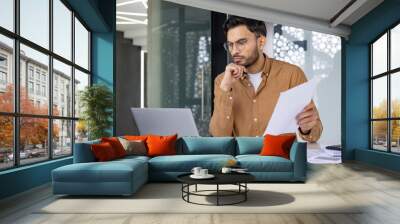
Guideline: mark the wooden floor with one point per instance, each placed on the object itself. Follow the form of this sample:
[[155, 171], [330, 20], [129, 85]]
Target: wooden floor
[[377, 188]]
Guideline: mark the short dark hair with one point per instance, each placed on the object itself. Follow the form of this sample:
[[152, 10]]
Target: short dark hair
[[255, 26]]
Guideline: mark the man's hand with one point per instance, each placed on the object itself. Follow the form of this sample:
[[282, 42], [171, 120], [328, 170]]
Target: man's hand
[[307, 119], [232, 72]]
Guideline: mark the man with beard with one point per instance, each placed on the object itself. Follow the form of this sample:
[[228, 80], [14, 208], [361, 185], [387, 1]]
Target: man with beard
[[247, 92]]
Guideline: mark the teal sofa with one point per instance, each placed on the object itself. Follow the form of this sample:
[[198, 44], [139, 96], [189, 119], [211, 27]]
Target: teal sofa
[[125, 176]]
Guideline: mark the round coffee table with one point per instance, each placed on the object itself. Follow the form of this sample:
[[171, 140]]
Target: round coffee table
[[238, 179]]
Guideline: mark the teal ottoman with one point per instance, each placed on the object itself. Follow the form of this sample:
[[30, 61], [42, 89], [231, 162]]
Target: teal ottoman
[[118, 177]]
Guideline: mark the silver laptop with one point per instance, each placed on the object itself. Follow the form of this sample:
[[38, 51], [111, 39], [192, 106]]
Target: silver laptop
[[165, 121]]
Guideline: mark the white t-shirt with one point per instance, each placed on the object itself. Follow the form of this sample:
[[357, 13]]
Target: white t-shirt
[[255, 79]]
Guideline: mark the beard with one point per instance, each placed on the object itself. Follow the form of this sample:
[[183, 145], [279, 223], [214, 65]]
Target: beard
[[249, 61]]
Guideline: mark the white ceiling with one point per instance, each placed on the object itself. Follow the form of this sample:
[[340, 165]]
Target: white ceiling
[[315, 15], [317, 9], [134, 13]]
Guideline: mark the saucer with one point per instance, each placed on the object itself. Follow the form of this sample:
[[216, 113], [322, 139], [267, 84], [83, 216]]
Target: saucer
[[208, 176]]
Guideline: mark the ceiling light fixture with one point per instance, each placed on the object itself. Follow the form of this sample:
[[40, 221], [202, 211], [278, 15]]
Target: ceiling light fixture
[[135, 21], [128, 2], [132, 13], [125, 23]]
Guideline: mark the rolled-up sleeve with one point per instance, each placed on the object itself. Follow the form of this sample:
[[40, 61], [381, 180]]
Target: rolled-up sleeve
[[221, 123]]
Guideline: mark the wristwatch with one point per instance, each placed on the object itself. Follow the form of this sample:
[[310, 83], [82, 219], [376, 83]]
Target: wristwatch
[[307, 133]]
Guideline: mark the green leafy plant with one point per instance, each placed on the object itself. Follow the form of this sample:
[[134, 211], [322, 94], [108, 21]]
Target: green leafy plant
[[96, 102]]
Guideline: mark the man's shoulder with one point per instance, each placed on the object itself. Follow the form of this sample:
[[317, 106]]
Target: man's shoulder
[[220, 76], [283, 65]]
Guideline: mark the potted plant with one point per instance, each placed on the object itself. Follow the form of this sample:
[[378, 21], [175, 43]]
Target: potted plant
[[96, 102]]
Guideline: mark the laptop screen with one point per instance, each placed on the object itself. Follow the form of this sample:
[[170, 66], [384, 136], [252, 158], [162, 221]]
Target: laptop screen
[[165, 121]]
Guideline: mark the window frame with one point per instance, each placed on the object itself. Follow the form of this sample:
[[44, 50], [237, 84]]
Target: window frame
[[388, 74], [16, 114]]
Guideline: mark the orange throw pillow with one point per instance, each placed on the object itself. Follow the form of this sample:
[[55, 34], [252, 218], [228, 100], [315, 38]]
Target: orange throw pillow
[[161, 145], [277, 145], [135, 137], [116, 145], [103, 151]]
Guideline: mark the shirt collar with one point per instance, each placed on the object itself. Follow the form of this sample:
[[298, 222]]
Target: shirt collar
[[265, 70], [267, 66]]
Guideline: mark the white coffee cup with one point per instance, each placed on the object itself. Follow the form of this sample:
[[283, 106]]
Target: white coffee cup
[[226, 170], [203, 172], [196, 170]]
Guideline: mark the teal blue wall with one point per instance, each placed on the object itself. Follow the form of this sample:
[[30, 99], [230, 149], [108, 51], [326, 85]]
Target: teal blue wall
[[99, 15], [103, 52], [355, 76]]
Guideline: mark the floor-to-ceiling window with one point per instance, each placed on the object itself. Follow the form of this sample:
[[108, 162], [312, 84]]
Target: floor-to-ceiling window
[[44, 64], [385, 91]]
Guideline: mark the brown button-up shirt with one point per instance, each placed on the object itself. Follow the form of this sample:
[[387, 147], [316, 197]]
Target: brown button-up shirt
[[242, 111]]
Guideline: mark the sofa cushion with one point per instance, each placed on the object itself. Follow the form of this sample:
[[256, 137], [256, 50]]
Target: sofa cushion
[[257, 163], [159, 145], [185, 163], [103, 152], [111, 171], [116, 145], [133, 147], [249, 145], [207, 145], [278, 145]]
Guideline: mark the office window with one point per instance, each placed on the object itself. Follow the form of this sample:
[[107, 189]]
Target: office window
[[62, 137], [379, 56], [40, 62], [379, 130], [35, 21], [394, 135], [3, 72], [6, 142], [81, 81], [395, 47], [6, 87], [33, 140], [61, 73], [385, 93], [81, 45], [379, 97], [62, 29], [81, 131], [7, 14], [44, 132]]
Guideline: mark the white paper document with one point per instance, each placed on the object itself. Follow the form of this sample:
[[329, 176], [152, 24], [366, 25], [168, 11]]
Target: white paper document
[[290, 103]]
